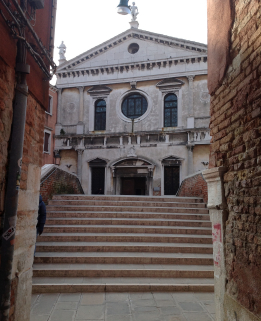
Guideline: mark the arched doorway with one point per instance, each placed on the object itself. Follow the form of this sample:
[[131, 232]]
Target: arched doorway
[[132, 177]]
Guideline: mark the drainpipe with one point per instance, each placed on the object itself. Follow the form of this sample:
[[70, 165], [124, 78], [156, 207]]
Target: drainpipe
[[13, 180]]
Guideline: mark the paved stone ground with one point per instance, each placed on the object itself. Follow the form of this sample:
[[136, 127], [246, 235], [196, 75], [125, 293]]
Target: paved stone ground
[[123, 307]]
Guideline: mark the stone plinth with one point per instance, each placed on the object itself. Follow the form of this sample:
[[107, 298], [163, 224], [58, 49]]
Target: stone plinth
[[218, 213], [134, 24]]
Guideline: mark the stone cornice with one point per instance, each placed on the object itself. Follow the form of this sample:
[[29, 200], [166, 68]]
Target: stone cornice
[[143, 66], [137, 34], [98, 81]]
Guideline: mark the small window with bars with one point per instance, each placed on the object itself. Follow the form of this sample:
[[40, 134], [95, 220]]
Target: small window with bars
[[100, 115], [47, 142], [170, 111]]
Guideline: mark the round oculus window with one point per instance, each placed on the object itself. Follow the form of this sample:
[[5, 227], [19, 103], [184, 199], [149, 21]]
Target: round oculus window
[[133, 48], [134, 106]]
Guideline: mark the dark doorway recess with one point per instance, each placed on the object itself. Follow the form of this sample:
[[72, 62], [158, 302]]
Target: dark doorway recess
[[133, 186], [171, 180], [98, 179]]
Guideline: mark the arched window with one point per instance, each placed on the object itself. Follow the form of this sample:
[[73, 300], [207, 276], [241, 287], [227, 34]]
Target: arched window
[[100, 115], [134, 106], [170, 111]]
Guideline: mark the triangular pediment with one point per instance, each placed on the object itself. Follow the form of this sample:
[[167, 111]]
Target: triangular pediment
[[152, 48]]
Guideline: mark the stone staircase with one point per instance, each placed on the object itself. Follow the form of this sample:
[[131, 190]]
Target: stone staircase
[[124, 244]]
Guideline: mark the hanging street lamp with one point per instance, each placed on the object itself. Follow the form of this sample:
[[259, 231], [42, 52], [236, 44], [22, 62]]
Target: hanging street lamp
[[123, 7]]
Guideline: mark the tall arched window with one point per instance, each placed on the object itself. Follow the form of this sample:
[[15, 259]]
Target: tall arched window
[[170, 111], [100, 115]]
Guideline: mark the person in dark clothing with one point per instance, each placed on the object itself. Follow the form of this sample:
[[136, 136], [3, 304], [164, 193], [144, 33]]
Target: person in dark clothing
[[41, 216]]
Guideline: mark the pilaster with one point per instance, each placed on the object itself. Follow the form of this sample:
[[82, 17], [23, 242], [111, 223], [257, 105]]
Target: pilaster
[[218, 213], [79, 163], [58, 125], [80, 124], [190, 118], [190, 148]]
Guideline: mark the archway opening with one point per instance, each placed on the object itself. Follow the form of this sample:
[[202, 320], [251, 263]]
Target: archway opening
[[133, 176]]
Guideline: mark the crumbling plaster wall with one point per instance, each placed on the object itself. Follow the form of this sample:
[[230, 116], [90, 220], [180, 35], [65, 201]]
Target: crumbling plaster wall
[[200, 154], [27, 213], [234, 82], [154, 119], [69, 161]]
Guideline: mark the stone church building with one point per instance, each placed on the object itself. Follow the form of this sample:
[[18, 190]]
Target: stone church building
[[133, 114]]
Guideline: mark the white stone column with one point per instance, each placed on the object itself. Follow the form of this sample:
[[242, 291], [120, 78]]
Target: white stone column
[[190, 118], [190, 148], [79, 164], [218, 212]]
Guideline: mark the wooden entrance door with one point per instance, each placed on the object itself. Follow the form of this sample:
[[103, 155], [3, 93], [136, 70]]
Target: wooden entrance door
[[171, 180]]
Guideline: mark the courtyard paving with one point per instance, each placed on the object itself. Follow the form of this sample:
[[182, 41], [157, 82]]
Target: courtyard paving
[[123, 307]]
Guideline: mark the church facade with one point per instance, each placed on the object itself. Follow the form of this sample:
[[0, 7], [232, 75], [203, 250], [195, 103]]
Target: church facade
[[133, 114]]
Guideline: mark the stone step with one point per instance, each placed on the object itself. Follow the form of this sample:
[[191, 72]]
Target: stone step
[[65, 266], [117, 243], [84, 285], [119, 273], [127, 229], [76, 203], [82, 208], [123, 258], [122, 237], [126, 215], [129, 198], [123, 247], [126, 221]]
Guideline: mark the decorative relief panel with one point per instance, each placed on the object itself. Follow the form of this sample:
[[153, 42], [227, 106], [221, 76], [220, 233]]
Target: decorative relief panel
[[71, 107], [204, 97]]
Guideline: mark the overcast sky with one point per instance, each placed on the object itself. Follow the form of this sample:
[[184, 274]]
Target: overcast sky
[[84, 24]]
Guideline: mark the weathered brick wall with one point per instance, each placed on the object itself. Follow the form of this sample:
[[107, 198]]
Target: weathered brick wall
[[236, 131], [59, 182], [194, 186]]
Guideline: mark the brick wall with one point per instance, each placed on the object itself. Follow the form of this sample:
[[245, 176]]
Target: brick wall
[[236, 144], [59, 182], [194, 186]]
